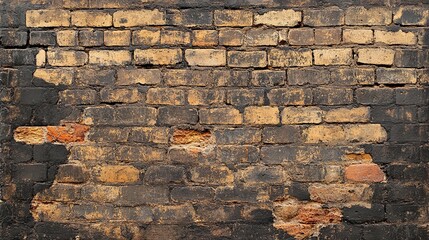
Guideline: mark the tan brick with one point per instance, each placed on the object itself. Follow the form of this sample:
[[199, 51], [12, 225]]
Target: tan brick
[[231, 37], [175, 37], [290, 58], [340, 193], [67, 38], [327, 36], [119, 95], [41, 58], [100, 193], [261, 37], [205, 38], [146, 37], [64, 58], [333, 56], [118, 174], [281, 18], [233, 18], [261, 115], [334, 134], [365, 172], [300, 115], [165, 96], [301, 36], [109, 57], [206, 97], [371, 16], [360, 114], [377, 56], [247, 58], [55, 76], [117, 38], [91, 19], [158, 56], [47, 18], [221, 116], [136, 18], [139, 76], [359, 36], [91, 152], [205, 57], [30, 135], [186, 77], [395, 38]]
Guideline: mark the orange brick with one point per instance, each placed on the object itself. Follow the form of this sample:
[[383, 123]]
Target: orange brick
[[366, 172]]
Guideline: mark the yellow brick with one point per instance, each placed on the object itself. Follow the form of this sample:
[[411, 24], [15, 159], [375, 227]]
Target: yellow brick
[[205, 57], [141, 76], [117, 38], [67, 38], [47, 18], [220, 116], [91, 19], [64, 58], [359, 36], [204, 38], [300, 115], [365, 133], [261, 115], [41, 58], [333, 56], [118, 174], [360, 114], [233, 18], [173, 37], [395, 38], [146, 37], [54, 76], [158, 56], [282, 18], [30, 135], [135, 18], [378, 56], [353, 133], [109, 57]]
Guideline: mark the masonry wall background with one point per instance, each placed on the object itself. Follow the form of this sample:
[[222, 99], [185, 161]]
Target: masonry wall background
[[141, 119]]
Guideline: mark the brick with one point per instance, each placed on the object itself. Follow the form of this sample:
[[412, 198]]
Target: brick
[[205, 57], [327, 36], [91, 19], [284, 134], [281, 18], [263, 174], [136, 18], [305, 76], [192, 17], [338, 56], [138, 76], [206, 97], [155, 195], [117, 38], [376, 56], [332, 96], [41, 58], [60, 192], [134, 115], [231, 37], [189, 136], [108, 134], [242, 97], [174, 214], [157, 56], [232, 155], [174, 37], [71, 173], [374, 96], [417, 96], [411, 15], [359, 36], [372, 16], [247, 58], [300, 115], [66, 134], [139, 154], [396, 76], [238, 194], [366, 172], [397, 114], [121, 95], [205, 38], [192, 193], [301, 36], [93, 76], [149, 37], [268, 78], [173, 115], [165, 96], [220, 116], [164, 174], [332, 16], [395, 38], [91, 152], [261, 37], [233, 18], [360, 214], [14, 38], [317, 214], [409, 58], [42, 38], [54, 76], [47, 18], [30, 135], [237, 136], [149, 135], [67, 38], [290, 96], [261, 115], [211, 175], [359, 114], [347, 133], [64, 58], [36, 96], [339, 193], [290, 58], [90, 38], [36, 172], [109, 57]]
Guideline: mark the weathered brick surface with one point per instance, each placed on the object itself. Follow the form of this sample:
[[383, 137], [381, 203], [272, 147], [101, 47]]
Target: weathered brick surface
[[206, 119]]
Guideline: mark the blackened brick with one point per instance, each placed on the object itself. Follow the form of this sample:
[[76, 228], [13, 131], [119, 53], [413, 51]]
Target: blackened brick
[[417, 96], [285, 134], [164, 174], [328, 17], [402, 212], [31, 172], [36, 96], [299, 191], [211, 213], [234, 155], [43, 38], [409, 58], [360, 214], [401, 114], [137, 195], [308, 76], [333, 96], [177, 115], [268, 78], [237, 136], [238, 193], [13, 38], [404, 133], [407, 173], [192, 193], [70, 173], [96, 77], [375, 96], [91, 38], [192, 17], [393, 153]]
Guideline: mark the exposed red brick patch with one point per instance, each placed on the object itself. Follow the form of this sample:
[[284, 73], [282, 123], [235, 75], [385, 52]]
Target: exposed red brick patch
[[187, 136], [297, 230], [368, 172], [68, 133], [316, 214], [358, 157]]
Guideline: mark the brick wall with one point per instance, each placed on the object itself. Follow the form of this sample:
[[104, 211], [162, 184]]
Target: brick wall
[[170, 119]]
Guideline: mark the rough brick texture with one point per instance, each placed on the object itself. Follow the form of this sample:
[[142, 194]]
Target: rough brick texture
[[202, 119]]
